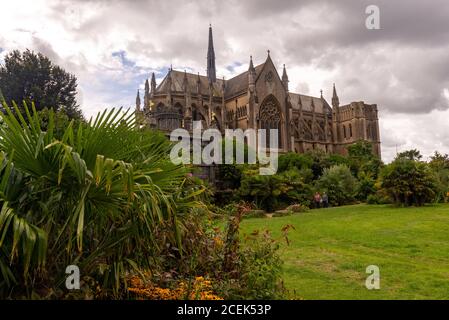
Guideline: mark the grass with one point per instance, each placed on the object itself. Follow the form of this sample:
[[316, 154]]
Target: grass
[[330, 249]]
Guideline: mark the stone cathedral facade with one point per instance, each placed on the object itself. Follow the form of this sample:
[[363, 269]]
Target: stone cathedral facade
[[258, 98]]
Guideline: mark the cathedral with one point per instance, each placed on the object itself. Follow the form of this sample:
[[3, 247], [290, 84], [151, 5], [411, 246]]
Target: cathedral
[[260, 99]]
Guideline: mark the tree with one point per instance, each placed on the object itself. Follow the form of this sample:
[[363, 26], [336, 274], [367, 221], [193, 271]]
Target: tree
[[271, 192], [439, 164], [366, 186], [408, 182], [412, 154], [339, 183], [93, 198], [362, 158], [319, 162], [439, 161], [294, 160], [361, 149], [32, 77], [264, 190]]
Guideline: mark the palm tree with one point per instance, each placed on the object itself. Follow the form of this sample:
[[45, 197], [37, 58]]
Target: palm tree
[[90, 197]]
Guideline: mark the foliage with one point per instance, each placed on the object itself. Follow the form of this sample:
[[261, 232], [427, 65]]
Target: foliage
[[28, 77], [299, 188], [272, 191], [237, 268], [413, 155], [252, 267], [439, 164], [196, 289], [61, 122], [439, 161], [293, 160], [260, 270], [366, 186], [378, 198], [230, 174], [362, 159], [93, 199], [339, 184], [319, 162], [361, 149], [408, 182], [264, 189]]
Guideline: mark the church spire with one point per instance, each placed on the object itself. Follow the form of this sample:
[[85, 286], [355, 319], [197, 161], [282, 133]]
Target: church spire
[[251, 65], [285, 78], [153, 83], [147, 87], [335, 100], [146, 95], [251, 73], [211, 73], [138, 101]]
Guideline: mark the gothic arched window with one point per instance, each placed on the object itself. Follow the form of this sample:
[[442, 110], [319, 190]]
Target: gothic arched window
[[179, 107], [270, 118]]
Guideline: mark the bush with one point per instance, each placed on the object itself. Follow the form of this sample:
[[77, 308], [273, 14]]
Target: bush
[[237, 268], [366, 186], [378, 199], [439, 164], [339, 184], [96, 199], [277, 191], [408, 182], [263, 190], [294, 160], [258, 271]]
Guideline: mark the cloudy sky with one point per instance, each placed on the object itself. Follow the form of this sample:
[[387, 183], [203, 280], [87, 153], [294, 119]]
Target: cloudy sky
[[112, 46]]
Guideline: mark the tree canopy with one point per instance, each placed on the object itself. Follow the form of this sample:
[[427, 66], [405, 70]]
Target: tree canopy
[[32, 77]]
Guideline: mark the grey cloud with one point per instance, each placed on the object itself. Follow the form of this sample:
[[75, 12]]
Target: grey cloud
[[403, 67]]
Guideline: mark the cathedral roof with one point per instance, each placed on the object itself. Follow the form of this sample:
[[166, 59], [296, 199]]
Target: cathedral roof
[[321, 105], [239, 83], [177, 83], [233, 86]]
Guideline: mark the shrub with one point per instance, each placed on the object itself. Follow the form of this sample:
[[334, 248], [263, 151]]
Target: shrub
[[237, 268], [93, 199], [279, 190], [439, 165], [339, 184], [366, 186], [294, 160], [258, 271], [263, 190], [196, 289], [299, 189], [250, 269], [408, 182], [378, 199]]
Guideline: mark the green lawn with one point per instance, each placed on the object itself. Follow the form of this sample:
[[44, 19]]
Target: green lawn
[[331, 248]]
